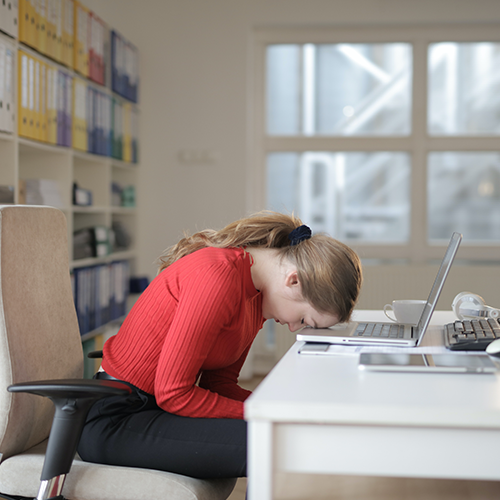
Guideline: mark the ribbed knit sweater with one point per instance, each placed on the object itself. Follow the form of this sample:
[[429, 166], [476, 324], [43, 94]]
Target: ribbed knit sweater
[[187, 336]]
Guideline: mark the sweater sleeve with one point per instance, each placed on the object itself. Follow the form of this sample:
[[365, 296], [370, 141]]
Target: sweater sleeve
[[225, 380], [206, 304]]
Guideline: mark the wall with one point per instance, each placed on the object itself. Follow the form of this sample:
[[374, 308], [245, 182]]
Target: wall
[[195, 64]]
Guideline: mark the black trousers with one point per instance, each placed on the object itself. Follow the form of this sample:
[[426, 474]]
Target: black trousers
[[134, 431]]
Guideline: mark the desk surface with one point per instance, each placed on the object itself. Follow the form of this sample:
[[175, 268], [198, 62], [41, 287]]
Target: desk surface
[[331, 389], [321, 414]]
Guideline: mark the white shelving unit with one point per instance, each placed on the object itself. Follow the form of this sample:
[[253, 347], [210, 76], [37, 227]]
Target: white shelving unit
[[22, 159]]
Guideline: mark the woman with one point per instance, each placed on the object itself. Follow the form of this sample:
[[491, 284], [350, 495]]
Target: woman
[[184, 342]]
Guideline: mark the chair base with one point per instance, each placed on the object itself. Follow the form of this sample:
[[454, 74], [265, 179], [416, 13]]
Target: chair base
[[87, 481]]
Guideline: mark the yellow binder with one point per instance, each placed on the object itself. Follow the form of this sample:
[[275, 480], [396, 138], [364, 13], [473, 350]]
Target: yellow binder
[[27, 23], [43, 101], [81, 49], [127, 132], [41, 10], [79, 114], [67, 24], [34, 23], [37, 86], [50, 28], [56, 21], [23, 19]]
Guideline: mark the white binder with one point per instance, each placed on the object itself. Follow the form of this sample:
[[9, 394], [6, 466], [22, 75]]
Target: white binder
[[7, 108], [3, 78], [10, 105], [8, 17]]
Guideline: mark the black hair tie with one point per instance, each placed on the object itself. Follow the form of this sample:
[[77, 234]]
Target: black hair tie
[[299, 234]]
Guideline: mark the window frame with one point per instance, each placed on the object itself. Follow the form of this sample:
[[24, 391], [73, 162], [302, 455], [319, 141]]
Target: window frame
[[418, 145]]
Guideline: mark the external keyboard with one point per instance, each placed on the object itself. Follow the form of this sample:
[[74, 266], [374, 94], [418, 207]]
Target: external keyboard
[[471, 335], [379, 330]]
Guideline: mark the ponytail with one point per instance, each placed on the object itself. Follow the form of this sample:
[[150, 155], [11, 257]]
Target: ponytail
[[265, 229]]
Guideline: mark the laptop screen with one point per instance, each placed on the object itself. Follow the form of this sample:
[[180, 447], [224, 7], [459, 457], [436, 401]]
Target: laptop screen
[[444, 269]]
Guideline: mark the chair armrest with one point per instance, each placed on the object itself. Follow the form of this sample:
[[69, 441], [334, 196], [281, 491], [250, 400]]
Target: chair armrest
[[94, 354], [72, 399], [72, 388]]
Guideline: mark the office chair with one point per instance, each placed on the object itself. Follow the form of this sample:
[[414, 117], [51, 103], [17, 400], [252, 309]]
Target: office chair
[[41, 355]]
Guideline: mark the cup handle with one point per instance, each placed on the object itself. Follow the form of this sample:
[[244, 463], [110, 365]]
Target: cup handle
[[389, 307]]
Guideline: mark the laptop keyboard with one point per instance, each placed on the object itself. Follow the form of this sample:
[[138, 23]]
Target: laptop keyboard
[[380, 330], [471, 335]]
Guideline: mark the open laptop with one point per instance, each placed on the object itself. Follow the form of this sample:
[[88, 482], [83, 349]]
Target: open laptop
[[390, 334]]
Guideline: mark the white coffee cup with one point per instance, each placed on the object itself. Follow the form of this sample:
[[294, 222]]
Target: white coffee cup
[[407, 312]]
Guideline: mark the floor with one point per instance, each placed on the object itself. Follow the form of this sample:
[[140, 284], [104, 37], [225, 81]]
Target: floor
[[318, 487]]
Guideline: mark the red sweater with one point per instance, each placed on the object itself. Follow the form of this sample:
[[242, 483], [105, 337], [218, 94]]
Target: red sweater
[[194, 323]]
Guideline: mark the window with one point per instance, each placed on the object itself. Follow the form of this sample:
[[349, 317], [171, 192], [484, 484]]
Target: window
[[356, 196], [464, 89], [339, 89], [464, 195], [387, 139]]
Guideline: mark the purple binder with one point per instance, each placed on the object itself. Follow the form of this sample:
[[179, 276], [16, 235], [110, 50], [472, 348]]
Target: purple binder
[[68, 112], [61, 85]]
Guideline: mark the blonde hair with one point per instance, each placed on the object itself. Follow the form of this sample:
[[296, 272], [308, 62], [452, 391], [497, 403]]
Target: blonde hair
[[328, 270]]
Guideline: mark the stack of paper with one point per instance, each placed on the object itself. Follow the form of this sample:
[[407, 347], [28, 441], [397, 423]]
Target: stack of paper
[[43, 192]]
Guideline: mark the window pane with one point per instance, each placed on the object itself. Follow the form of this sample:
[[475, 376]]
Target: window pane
[[361, 197], [464, 195], [339, 89], [283, 89], [464, 89]]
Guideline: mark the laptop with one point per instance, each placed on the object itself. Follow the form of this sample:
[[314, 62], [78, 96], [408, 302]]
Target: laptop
[[388, 333]]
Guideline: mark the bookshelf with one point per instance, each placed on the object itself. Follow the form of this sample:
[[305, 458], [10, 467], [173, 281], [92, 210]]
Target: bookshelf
[[84, 132]]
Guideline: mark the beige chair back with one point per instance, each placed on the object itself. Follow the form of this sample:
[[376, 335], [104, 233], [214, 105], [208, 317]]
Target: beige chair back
[[39, 335]]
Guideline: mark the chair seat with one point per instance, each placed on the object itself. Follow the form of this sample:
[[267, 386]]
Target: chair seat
[[19, 475]]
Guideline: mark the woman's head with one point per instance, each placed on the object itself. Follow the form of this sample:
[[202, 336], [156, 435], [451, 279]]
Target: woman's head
[[329, 272]]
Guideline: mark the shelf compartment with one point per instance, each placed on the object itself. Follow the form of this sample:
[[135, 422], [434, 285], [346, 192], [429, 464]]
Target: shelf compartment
[[93, 174], [8, 177], [124, 227], [82, 220], [46, 162]]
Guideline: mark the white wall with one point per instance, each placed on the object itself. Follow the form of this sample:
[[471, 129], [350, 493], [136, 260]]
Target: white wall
[[194, 93]]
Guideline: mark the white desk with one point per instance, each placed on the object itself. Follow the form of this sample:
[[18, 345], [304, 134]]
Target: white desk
[[321, 414]]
